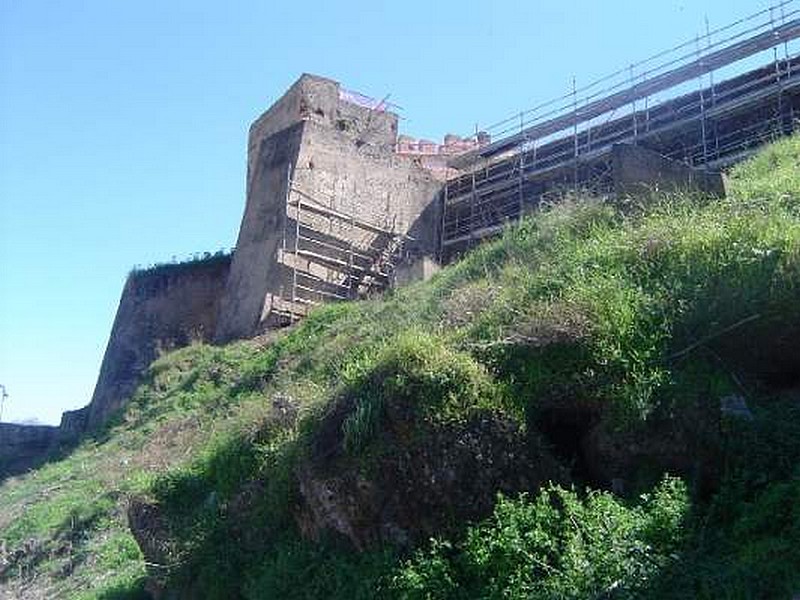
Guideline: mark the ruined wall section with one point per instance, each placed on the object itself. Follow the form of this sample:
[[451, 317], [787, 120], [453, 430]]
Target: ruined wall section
[[23, 447], [637, 170], [386, 195], [382, 188], [165, 308], [319, 100]]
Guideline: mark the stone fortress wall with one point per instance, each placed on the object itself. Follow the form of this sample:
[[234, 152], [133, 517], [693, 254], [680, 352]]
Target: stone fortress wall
[[160, 309], [316, 148], [337, 206]]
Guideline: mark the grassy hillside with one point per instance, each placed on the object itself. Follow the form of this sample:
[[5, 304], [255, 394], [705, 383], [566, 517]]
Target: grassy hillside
[[460, 438]]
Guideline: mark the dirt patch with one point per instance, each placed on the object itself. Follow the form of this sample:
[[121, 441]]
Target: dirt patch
[[170, 444], [539, 326]]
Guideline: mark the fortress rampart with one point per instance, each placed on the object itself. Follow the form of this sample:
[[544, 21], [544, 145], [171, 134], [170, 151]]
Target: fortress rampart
[[160, 309], [339, 206], [326, 196]]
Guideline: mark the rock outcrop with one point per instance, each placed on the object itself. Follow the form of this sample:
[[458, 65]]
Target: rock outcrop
[[415, 481]]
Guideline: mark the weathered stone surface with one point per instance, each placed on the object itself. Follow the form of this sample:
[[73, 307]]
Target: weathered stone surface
[[73, 424], [151, 532], [254, 269], [162, 309], [24, 446], [416, 482], [637, 170], [412, 271]]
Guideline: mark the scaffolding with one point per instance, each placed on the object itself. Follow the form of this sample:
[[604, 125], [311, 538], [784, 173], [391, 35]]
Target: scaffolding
[[684, 103], [328, 254]]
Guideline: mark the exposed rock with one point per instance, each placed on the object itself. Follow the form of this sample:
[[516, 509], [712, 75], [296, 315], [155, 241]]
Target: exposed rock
[[285, 410], [151, 532], [415, 483]]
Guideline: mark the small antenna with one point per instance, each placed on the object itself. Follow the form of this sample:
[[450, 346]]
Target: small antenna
[[381, 106], [3, 396]]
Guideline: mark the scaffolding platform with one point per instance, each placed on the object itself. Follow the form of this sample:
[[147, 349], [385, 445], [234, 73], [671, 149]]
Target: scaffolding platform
[[329, 255]]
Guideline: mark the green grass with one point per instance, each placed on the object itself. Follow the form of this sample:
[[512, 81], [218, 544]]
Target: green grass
[[643, 320], [418, 373], [71, 511]]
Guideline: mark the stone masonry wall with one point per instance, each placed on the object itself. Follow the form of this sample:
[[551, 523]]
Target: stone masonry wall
[[24, 446], [162, 309], [338, 153], [380, 187], [253, 267], [638, 170]]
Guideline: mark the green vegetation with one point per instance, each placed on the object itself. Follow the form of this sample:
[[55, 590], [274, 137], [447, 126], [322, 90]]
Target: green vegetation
[[632, 325], [417, 372], [556, 545], [206, 259]]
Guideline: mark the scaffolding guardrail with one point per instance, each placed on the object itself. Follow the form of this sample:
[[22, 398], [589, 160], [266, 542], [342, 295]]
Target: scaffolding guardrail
[[767, 29], [718, 123], [338, 264]]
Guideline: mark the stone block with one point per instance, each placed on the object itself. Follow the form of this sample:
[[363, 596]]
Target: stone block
[[420, 269], [637, 170]]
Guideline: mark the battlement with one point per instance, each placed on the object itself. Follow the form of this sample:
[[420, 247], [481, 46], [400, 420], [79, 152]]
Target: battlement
[[436, 157]]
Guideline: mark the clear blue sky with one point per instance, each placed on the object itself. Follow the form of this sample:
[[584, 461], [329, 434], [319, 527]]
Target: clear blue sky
[[123, 128]]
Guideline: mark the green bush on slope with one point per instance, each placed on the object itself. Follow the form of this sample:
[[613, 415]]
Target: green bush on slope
[[416, 371], [556, 545]]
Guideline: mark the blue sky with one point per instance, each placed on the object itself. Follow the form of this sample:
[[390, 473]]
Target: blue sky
[[123, 128]]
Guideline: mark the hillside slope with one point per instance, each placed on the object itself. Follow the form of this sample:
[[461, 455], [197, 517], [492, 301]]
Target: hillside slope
[[603, 402]]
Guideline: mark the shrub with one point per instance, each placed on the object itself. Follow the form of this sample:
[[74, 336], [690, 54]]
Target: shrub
[[419, 376], [556, 545]]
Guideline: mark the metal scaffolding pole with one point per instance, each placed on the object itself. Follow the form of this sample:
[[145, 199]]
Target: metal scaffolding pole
[[299, 208], [3, 397], [281, 290], [521, 173], [575, 133], [702, 65]]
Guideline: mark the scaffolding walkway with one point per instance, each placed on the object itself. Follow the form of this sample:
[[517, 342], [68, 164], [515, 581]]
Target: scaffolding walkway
[[683, 103]]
